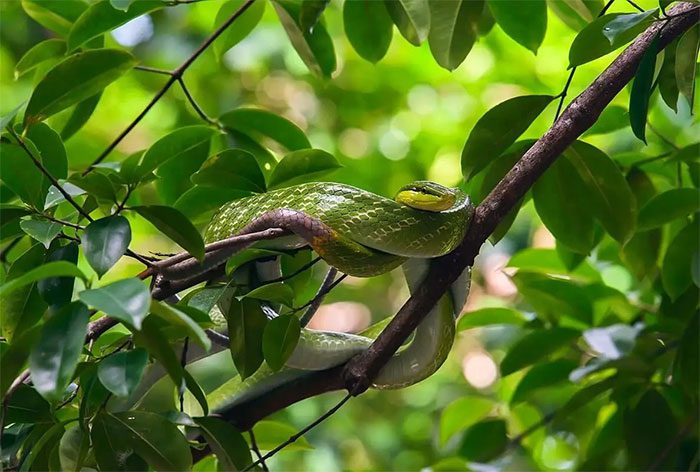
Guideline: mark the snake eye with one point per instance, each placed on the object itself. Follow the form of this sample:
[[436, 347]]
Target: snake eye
[[425, 195]]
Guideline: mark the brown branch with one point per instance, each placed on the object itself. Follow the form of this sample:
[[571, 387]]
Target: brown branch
[[580, 115]]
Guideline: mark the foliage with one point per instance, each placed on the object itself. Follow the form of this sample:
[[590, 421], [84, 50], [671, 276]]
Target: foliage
[[597, 345]]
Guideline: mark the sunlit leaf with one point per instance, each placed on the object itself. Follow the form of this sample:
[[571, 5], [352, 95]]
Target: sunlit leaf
[[523, 20], [176, 145], [8, 118], [56, 16], [542, 376], [257, 123], [453, 30], [127, 300], [244, 24], [80, 115], [51, 269], [368, 28], [668, 206], [174, 225], [105, 241], [575, 13], [686, 59], [411, 17], [534, 346], [232, 169], [41, 52], [121, 372], [488, 317], [463, 413], [42, 230]]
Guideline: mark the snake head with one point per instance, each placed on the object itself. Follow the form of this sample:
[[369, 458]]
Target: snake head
[[427, 195]]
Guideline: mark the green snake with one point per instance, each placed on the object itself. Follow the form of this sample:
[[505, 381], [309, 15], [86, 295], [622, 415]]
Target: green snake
[[361, 234]]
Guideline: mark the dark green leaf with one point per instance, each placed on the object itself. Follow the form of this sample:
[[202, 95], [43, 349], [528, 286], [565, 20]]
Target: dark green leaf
[[498, 129], [678, 261], [453, 30], [199, 202], [686, 59], [244, 24], [542, 376], [554, 296], [174, 225], [488, 317], [177, 318], [575, 13], [463, 413], [277, 293], [43, 51], [685, 366], [27, 406], [606, 34], [315, 48], [37, 453], [237, 260], [226, 442], [411, 17], [279, 340], [641, 90], [21, 176], [80, 115], [609, 194], [102, 17], [291, 264], [59, 290], [126, 300], [368, 27], [535, 346], [98, 185], [233, 169], [73, 449], [54, 358], [256, 123], [649, 429], [112, 451], [484, 441], [56, 16], [14, 357], [121, 372], [237, 140], [22, 308], [196, 391], [174, 146], [246, 324], [161, 348], [51, 150], [613, 118], [311, 11], [668, 88], [270, 434], [302, 166], [105, 241], [668, 206], [76, 78], [523, 20], [51, 269], [42, 230]]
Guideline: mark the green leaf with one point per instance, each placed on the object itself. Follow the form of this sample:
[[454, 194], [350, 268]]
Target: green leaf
[[685, 366], [112, 451], [563, 205], [237, 140], [21, 176], [534, 346], [277, 292], [453, 30], [575, 13], [554, 296], [668, 206], [226, 442], [246, 324], [9, 117], [649, 427], [174, 225], [161, 348], [311, 11], [57, 291], [102, 17], [686, 59], [51, 150], [548, 261], [302, 166], [51, 269], [668, 88], [122, 5], [641, 90], [368, 27], [76, 78], [127, 300], [488, 317], [14, 357], [232, 169], [46, 435], [280, 337], [242, 257], [523, 20], [199, 202], [42, 230], [613, 118], [315, 48], [24, 307], [73, 449], [176, 317], [41, 52], [174, 146], [54, 358], [98, 185], [80, 115], [498, 129], [242, 27], [105, 241], [609, 194], [270, 434], [256, 123], [411, 17], [606, 34], [678, 261], [542, 376], [484, 441], [27, 406], [462, 413], [56, 16], [121, 372]]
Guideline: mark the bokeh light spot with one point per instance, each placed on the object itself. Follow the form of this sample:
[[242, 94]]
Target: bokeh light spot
[[479, 369]]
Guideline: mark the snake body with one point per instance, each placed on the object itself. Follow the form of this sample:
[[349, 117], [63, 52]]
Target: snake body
[[361, 234]]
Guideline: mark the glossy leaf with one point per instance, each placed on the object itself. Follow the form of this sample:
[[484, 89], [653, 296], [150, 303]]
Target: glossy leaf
[[277, 292], [27, 406], [270, 434], [488, 317], [302, 166], [51, 151], [226, 442], [199, 202], [677, 263], [80, 115], [43, 51], [498, 129], [102, 17], [256, 123], [233, 169], [542, 376], [613, 118], [279, 340], [51, 269], [127, 300], [76, 78], [484, 441], [21, 176], [110, 448], [105, 241], [73, 449], [14, 357], [42, 230], [9, 117], [176, 317], [606, 34], [23, 307], [411, 17], [56, 16], [668, 87], [244, 24], [553, 296], [176, 145], [462, 413], [311, 12], [121, 372], [523, 20], [174, 225], [315, 48], [368, 27], [648, 425], [237, 140], [59, 290], [641, 90], [668, 206], [453, 30], [548, 261], [246, 324], [54, 358], [686, 59], [575, 13], [534, 346]]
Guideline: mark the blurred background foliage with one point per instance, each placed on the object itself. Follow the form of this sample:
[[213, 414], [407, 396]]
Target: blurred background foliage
[[402, 119]]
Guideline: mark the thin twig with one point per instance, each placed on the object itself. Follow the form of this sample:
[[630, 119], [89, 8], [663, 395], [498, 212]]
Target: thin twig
[[196, 106], [323, 290], [301, 432], [153, 70], [61, 222], [320, 294], [256, 450], [640, 9], [183, 363]]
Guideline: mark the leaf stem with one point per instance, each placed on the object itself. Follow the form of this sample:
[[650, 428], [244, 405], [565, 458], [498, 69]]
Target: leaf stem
[[256, 450]]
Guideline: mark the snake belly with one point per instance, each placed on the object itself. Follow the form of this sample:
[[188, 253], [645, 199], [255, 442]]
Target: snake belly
[[361, 234]]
